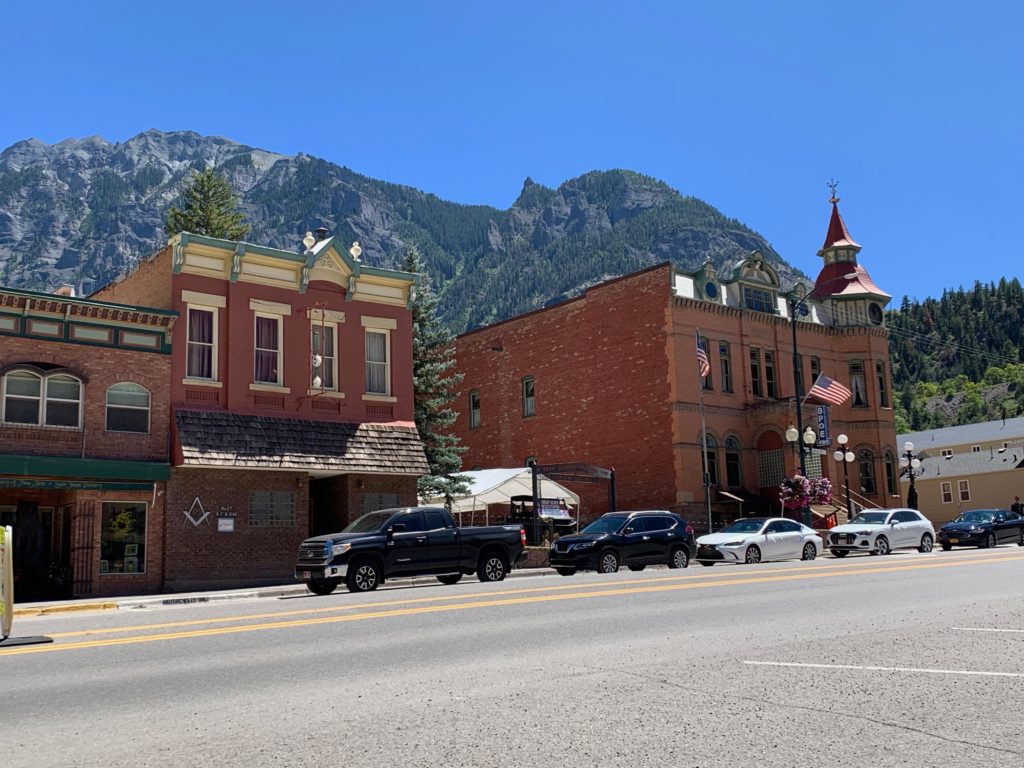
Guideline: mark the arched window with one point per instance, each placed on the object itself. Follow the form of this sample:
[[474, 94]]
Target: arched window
[[54, 401], [866, 465], [127, 408], [733, 463], [712, 458], [890, 474]]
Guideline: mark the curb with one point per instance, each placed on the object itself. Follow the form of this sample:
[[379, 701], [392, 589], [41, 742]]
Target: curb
[[214, 597]]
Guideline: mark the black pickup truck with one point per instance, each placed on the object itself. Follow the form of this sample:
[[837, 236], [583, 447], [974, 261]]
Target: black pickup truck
[[405, 542]]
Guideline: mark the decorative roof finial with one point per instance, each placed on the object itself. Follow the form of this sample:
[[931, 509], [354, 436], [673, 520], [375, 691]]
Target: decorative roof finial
[[833, 185]]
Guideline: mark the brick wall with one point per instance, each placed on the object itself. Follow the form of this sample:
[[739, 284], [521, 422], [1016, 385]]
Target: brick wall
[[337, 501], [203, 557], [101, 367], [600, 368], [148, 285]]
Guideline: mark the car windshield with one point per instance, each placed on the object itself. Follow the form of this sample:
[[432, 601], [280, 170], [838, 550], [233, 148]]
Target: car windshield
[[605, 525], [372, 521], [872, 518], [744, 526], [975, 517]]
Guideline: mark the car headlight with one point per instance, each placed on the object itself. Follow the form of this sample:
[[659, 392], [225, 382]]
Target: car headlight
[[340, 549], [583, 545], [862, 533], [739, 543]]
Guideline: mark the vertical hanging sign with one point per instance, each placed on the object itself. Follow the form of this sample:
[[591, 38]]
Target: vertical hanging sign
[[821, 422], [6, 580]]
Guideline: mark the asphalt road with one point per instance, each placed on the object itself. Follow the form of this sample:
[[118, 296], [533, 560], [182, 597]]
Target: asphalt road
[[906, 660]]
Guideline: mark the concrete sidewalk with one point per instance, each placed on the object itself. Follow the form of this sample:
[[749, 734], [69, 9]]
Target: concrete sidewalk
[[212, 596]]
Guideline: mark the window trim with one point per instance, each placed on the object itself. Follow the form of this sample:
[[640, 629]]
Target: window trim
[[882, 383], [145, 538], [214, 346], [851, 364], [313, 326], [386, 333], [475, 417], [529, 403], [725, 365], [946, 491], [279, 319], [43, 399], [770, 385], [963, 488], [756, 387], [148, 409]]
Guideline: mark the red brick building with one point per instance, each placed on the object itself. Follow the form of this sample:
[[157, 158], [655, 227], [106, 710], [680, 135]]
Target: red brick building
[[84, 435], [611, 379], [291, 398]]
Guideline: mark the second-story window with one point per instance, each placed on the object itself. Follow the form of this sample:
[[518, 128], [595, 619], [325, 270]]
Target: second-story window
[[378, 373], [474, 408], [883, 388], [755, 372], [201, 361], [325, 351], [127, 408], [725, 365], [815, 370], [769, 374], [529, 403], [268, 350], [858, 385], [759, 300], [53, 401]]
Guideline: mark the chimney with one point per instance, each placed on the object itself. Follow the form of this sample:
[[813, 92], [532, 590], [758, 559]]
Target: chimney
[[321, 233], [65, 289]]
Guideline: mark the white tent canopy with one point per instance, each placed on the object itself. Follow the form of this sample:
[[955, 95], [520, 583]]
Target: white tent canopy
[[497, 486]]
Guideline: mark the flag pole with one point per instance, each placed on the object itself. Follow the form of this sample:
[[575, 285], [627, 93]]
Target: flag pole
[[704, 441]]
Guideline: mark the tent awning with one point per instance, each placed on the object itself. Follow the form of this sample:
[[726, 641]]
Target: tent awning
[[498, 486]]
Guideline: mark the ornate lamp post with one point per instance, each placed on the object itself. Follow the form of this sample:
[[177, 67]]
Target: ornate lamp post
[[910, 463], [844, 455], [793, 435]]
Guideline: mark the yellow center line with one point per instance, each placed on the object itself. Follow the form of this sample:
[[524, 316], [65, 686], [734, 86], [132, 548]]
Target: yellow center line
[[864, 566], [497, 601]]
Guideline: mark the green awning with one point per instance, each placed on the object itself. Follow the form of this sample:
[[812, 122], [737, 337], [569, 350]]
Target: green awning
[[84, 469]]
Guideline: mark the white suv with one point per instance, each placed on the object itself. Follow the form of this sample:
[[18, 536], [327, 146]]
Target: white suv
[[880, 531]]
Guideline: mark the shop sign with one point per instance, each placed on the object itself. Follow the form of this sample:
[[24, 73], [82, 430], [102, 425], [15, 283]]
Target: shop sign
[[6, 580], [71, 485]]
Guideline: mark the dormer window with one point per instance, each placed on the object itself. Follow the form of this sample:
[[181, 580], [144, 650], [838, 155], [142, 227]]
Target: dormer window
[[759, 300]]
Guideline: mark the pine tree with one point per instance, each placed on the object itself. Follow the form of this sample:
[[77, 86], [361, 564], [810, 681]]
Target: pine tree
[[209, 207], [433, 355]]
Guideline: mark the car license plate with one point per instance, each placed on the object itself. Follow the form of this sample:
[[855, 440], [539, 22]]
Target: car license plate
[[954, 541], [306, 574]]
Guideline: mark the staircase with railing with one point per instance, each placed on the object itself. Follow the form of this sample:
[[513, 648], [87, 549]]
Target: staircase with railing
[[826, 516]]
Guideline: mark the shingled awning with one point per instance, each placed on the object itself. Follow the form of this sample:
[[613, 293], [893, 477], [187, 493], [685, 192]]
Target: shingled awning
[[219, 439]]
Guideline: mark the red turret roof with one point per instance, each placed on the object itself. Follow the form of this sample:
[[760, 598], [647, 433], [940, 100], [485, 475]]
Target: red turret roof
[[844, 278], [837, 235]]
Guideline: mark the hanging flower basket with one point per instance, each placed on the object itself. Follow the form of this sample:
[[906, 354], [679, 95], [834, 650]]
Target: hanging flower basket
[[795, 492], [821, 491]]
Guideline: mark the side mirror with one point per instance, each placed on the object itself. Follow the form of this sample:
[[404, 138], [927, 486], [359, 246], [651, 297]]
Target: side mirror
[[1000, 518], [629, 530], [397, 528]]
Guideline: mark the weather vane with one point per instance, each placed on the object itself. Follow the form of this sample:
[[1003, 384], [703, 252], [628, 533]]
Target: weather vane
[[833, 185]]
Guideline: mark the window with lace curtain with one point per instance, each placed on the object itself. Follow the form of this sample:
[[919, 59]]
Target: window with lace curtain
[[378, 375]]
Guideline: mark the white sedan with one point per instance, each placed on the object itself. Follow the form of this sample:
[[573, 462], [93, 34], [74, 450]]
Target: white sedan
[[880, 531], [757, 539]]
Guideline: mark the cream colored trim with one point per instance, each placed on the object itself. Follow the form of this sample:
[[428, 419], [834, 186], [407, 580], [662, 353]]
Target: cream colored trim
[[381, 398], [386, 323], [269, 388], [270, 307], [330, 316], [206, 299], [202, 383], [327, 393], [258, 272]]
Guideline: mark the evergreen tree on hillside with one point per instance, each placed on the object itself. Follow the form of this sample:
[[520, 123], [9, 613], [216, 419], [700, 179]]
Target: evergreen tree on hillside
[[434, 383], [209, 207]]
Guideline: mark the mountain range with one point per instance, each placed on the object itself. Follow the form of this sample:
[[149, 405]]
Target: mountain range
[[83, 211]]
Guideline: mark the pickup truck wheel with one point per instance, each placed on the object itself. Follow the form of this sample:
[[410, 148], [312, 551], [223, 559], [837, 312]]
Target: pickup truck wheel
[[608, 562], [565, 571], [450, 578], [364, 576], [492, 567], [679, 558], [322, 586]]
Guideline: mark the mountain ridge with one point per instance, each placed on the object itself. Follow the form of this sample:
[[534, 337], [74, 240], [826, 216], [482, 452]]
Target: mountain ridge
[[86, 210]]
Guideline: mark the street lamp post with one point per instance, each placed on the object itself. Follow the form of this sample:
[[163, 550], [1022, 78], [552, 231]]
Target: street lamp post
[[798, 306], [911, 463], [846, 457], [793, 436]]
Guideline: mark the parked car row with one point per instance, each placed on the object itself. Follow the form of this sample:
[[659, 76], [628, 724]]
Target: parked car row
[[413, 541]]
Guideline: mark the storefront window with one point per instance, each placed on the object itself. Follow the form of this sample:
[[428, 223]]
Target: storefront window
[[123, 537]]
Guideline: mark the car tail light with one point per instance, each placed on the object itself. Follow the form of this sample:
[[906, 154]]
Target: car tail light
[[689, 529], [522, 536]]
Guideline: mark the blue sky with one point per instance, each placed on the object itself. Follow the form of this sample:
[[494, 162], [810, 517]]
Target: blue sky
[[915, 108]]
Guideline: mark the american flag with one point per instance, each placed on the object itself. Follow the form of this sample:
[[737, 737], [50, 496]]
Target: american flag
[[703, 365], [829, 391]]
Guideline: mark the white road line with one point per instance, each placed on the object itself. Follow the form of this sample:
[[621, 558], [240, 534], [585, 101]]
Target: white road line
[[884, 669], [987, 629]]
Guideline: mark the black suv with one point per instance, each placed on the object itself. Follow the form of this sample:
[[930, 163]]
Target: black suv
[[634, 539]]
